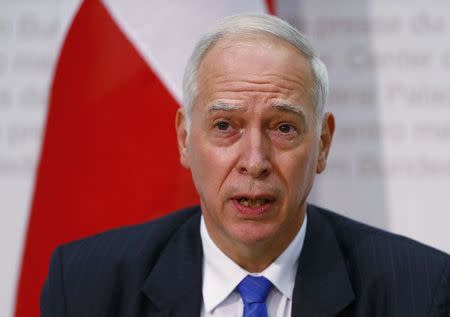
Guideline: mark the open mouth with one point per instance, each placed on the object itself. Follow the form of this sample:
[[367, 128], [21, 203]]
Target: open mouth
[[249, 202], [253, 206]]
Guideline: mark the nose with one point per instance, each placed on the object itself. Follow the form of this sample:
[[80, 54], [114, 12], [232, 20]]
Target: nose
[[255, 155]]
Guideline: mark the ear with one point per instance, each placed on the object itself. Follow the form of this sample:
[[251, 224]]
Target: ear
[[182, 135], [326, 136]]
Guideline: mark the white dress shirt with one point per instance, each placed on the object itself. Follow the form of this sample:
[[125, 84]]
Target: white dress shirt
[[221, 276]]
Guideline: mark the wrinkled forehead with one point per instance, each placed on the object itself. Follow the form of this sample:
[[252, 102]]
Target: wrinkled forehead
[[254, 58], [257, 40], [265, 49]]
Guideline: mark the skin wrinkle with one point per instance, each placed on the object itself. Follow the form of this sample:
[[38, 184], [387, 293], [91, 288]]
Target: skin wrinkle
[[291, 108], [272, 80], [248, 36], [278, 105], [259, 89], [266, 86], [259, 44], [224, 86], [252, 155]]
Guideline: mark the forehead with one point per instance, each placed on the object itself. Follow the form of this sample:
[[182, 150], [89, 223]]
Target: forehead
[[254, 62]]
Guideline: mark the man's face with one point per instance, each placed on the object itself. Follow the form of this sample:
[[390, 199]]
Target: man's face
[[254, 147]]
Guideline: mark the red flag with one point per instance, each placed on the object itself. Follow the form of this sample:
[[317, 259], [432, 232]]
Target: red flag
[[271, 8], [109, 156]]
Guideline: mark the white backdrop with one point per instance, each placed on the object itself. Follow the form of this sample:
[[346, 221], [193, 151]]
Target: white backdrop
[[389, 67]]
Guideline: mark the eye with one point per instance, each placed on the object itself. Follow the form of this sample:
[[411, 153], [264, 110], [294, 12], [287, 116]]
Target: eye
[[286, 128], [222, 125]]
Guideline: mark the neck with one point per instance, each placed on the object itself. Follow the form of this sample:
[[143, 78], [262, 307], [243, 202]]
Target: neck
[[255, 259], [256, 256]]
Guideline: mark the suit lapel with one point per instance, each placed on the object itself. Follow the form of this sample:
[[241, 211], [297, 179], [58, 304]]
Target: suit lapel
[[175, 283], [322, 285]]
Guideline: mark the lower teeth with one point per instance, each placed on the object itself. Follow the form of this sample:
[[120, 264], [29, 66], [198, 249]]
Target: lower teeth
[[252, 203]]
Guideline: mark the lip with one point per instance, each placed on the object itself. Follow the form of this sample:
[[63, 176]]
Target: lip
[[253, 212]]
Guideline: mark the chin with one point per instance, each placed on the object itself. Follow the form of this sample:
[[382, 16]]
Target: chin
[[254, 233]]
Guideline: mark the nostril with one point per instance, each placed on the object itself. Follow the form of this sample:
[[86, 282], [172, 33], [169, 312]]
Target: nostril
[[242, 170], [254, 171], [265, 172]]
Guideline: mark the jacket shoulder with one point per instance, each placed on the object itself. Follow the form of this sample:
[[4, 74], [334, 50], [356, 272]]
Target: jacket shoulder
[[125, 240], [109, 267], [353, 234], [399, 272], [135, 246]]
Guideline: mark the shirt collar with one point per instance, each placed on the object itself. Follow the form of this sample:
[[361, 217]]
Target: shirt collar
[[221, 275]]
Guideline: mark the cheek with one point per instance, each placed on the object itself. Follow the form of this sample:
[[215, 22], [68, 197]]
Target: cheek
[[210, 166], [199, 168], [299, 171]]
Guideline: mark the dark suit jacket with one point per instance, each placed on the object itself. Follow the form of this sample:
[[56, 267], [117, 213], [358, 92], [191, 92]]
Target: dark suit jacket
[[155, 269]]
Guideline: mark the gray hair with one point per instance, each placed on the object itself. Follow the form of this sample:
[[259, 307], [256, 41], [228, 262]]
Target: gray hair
[[245, 24]]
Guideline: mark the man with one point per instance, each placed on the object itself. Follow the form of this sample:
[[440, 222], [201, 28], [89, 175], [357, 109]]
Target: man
[[254, 133]]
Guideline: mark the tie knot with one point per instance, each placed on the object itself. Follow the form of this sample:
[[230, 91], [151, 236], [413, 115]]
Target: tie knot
[[254, 289]]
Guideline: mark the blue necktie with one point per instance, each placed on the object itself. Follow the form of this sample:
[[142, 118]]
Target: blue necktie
[[254, 291]]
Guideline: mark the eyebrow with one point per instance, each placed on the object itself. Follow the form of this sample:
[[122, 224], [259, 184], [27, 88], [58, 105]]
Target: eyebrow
[[278, 105], [289, 107], [222, 106]]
